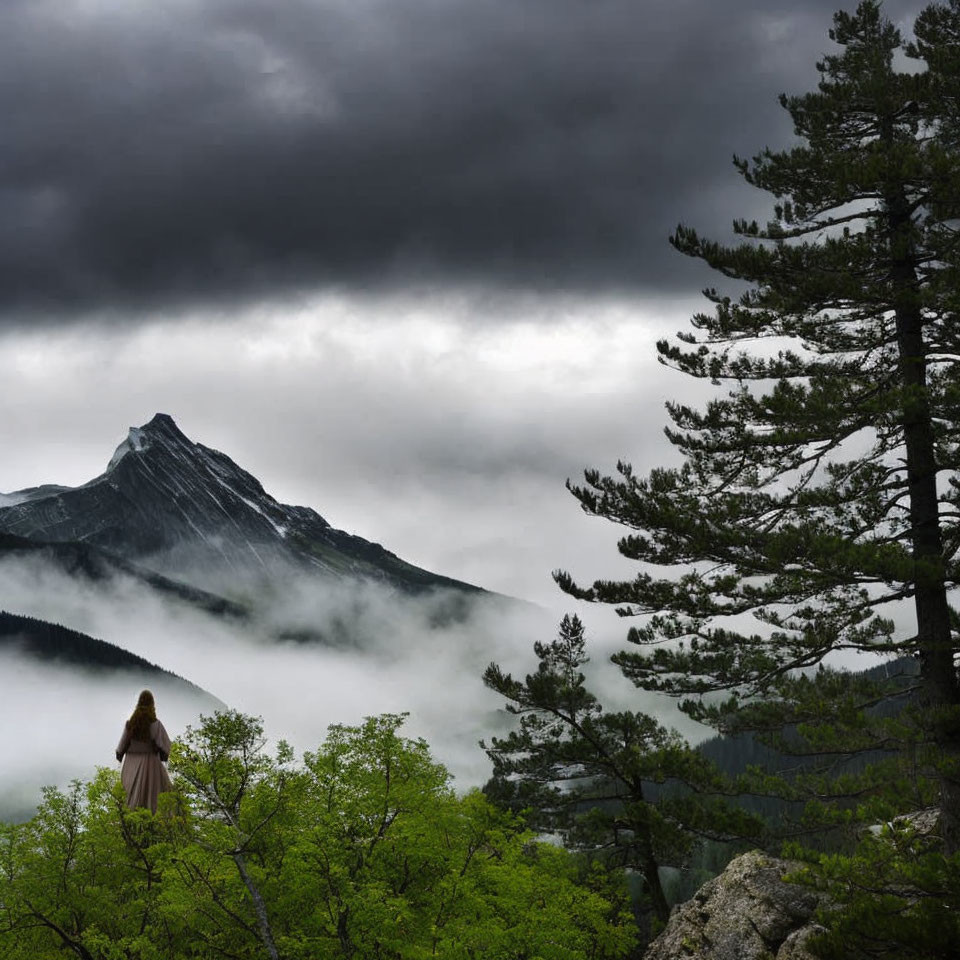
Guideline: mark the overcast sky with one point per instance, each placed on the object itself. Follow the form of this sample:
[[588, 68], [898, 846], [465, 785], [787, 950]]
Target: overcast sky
[[405, 260]]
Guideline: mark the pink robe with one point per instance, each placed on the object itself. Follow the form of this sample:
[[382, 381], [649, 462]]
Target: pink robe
[[144, 776]]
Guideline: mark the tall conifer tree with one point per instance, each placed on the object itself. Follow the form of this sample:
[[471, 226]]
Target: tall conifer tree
[[617, 784], [821, 489]]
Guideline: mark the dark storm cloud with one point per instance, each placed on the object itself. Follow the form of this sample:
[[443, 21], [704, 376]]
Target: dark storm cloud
[[158, 154]]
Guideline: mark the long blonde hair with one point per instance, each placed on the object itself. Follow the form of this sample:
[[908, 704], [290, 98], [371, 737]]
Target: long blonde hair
[[142, 717]]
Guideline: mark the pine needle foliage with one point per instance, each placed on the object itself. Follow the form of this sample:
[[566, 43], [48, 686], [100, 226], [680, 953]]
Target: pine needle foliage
[[617, 785], [819, 493], [897, 897]]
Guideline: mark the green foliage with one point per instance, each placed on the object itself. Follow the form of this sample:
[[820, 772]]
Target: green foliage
[[361, 851], [616, 784], [897, 896], [818, 493], [82, 877]]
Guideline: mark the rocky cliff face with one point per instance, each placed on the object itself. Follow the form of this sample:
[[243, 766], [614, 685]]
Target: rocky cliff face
[[747, 913], [175, 505]]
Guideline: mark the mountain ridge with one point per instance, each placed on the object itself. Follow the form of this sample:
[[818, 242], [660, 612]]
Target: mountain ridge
[[84, 559], [168, 503]]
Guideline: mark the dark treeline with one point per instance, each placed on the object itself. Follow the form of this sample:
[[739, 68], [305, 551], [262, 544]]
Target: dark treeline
[[51, 642]]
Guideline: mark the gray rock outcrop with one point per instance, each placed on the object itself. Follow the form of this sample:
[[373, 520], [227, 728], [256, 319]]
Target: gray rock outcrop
[[747, 913]]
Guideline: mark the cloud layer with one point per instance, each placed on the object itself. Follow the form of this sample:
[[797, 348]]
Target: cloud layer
[[71, 719], [155, 155], [444, 435]]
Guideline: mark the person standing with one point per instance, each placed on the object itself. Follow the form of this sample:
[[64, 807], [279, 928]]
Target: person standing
[[144, 748]]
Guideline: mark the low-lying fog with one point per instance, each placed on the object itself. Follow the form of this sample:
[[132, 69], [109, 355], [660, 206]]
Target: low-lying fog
[[62, 722]]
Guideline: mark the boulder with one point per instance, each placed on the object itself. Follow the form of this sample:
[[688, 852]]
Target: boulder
[[747, 913]]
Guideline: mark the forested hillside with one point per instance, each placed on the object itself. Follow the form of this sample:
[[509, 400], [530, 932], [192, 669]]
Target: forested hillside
[[50, 642]]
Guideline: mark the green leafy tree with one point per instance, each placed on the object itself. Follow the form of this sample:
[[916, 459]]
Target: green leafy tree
[[821, 489], [239, 799], [82, 878], [362, 851], [617, 784], [396, 863]]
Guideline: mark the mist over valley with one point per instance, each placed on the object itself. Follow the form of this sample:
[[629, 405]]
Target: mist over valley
[[304, 638]]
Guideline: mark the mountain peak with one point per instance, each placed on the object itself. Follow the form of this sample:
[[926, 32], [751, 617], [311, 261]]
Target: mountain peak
[[161, 428], [160, 420], [173, 504], [162, 424]]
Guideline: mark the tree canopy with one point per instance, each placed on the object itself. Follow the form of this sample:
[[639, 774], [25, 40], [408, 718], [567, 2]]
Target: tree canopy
[[818, 495], [362, 850], [618, 785]]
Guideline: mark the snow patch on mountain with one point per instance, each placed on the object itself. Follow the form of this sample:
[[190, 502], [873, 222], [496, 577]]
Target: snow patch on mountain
[[135, 443]]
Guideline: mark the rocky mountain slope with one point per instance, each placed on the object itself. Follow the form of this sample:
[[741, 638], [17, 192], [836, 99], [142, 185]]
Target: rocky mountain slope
[[173, 505], [85, 562]]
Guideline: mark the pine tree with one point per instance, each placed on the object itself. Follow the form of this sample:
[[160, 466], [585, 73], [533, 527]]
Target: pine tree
[[820, 491], [618, 785]]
